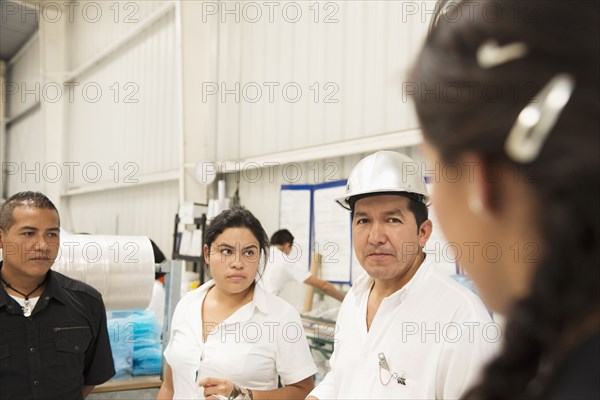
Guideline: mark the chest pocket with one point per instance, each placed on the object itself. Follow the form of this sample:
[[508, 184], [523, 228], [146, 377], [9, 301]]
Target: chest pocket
[[397, 381], [233, 361], [72, 339]]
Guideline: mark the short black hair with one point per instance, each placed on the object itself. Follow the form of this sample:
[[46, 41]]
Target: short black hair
[[23, 199], [415, 204], [282, 237], [159, 257]]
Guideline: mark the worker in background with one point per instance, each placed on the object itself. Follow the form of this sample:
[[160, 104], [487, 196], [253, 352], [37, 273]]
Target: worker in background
[[54, 341], [404, 331], [529, 182], [157, 302], [280, 269]]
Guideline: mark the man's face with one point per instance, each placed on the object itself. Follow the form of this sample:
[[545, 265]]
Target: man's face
[[386, 239], [30, 245]]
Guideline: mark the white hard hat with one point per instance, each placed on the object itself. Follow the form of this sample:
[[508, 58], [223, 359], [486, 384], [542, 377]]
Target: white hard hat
[[384, 172]]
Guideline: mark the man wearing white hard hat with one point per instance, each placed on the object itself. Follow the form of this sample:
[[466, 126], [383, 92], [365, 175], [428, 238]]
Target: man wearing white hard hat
[[404, 331]]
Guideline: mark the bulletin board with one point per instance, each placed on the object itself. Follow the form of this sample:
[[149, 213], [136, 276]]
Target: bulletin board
[[319, 225], [295, 214], [332, 232]]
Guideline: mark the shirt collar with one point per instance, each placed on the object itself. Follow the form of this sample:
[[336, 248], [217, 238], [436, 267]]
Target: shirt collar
[[53, 289], [363, 284], [259, 300], [4, 298]]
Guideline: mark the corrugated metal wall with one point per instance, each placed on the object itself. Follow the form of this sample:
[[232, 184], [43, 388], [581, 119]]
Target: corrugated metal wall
[[285, 85], [98, 24], [144, 210], [25, 166], [127, 107], [131, 129], [25, 74], [25, 138]]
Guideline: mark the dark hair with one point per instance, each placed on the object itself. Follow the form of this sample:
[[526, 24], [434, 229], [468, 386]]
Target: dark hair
[[159, 257], [415, 205], [237, 217], [282, 237], [559, 38], [23, 199]]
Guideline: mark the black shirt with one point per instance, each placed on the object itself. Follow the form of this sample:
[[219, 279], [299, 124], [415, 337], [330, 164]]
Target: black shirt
[[61, 347]]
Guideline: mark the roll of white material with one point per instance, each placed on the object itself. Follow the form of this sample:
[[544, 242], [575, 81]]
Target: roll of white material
[[119, 267]]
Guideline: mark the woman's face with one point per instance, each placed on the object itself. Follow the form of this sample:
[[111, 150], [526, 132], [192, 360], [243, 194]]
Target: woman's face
[[233, 259], [491, 246]]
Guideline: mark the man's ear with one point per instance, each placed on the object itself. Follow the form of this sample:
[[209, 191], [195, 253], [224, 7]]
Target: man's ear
[[425, 232]]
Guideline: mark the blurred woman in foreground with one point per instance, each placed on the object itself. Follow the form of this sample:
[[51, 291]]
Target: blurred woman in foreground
[[518, 112]]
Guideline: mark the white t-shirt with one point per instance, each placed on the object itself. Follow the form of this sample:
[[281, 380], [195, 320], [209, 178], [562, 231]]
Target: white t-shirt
[[261, 340], [280, 270], [32, 301], [434, 333], [157, 302]]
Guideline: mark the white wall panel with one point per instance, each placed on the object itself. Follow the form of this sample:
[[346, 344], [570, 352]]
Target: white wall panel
[[25, 139], [129, 131], [94, 25], [144, 210], [363, 54], [374, 58], [131, 128], [353, 93], [25, 154], [23, 80], [228, 118], [297, 114], [333, 83]]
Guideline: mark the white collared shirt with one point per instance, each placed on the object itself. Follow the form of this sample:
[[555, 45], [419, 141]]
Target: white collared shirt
[[261, 340], [434, 333], [280, 270], [157, 303]]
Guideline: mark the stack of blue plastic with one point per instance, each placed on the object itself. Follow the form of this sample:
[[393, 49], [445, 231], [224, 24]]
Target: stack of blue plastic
[[136, 343], [120, 333], [147, 349]]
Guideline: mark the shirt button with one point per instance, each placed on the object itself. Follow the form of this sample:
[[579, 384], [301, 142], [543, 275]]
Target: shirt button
[[32, 349], [10, 307], [47, 298], [76, 348], [36, 382]]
